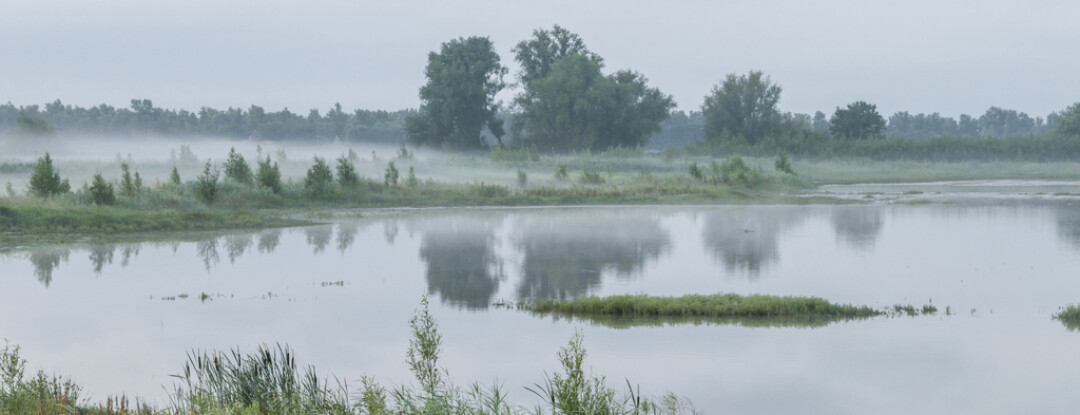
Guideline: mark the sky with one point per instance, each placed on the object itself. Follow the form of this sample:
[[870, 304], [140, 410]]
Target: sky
[[950, 57]]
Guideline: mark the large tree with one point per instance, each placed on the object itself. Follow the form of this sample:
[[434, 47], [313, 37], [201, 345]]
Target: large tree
[[1069, 123], [859, 121], [458, 100], [742, 106], [568, 104]]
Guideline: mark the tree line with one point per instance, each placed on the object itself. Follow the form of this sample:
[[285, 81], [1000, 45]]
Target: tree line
[[143, 118]]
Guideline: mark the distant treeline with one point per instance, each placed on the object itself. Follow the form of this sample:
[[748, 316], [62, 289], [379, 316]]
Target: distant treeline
[[143, 118], [684, 128]]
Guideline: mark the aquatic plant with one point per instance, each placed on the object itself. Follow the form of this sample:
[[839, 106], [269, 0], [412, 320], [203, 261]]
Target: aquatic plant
[[714, 306], [1070, 317]]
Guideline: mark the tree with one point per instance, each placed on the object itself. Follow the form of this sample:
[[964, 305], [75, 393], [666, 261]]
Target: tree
[[206, 184], [1069, 123], [174, 177], [859, 121], [742, 106], [569, 104], [36, 127], [128, 186], [102, 191], [346, 173], [45, 181], [458, 100], [237, 169], [318, 179], [269, 175]]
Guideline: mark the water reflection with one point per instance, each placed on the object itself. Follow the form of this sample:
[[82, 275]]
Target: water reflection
[[857, 226], [346, 235], [462, 266], [100, 256], [1068, 224], [269, 240], [318, 237], [236, 246], [45, 261], [564, 256], [747, 240]]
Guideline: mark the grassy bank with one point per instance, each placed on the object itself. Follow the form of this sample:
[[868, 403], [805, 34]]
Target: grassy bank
[[719, 306]]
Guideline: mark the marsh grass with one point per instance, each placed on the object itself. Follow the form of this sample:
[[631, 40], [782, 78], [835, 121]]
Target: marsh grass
[[702, 306], [1070, 317]]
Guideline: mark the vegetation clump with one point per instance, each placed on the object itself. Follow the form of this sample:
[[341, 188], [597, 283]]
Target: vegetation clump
[[319, 178], [102, 191], [1070, 317], [702, 306], [269, 175], [206, 185], [46, 180], [237, 169]]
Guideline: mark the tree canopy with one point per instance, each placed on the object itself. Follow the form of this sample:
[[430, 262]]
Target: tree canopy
[[1069, 123], [859, 121], [568, 104], [458, 100], [742, 106]]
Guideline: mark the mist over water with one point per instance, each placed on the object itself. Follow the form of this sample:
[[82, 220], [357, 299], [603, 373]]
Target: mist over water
[[341, 294]]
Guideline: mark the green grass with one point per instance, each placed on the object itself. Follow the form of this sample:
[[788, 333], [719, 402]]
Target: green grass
[[716, 306], [1070, 317]]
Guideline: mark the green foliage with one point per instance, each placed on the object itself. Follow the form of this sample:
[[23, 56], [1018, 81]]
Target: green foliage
[[206, 185], [346, 173], [859, 121], [735, 171], [1069, 123], [129, 186], [576, 107], [522, 178], [102, 191], [561, 174], [390, 177], [591, 177], [572, 392], [45, 181], [411, 179], [237, 169], [710, 306], [782, 164], [266, 382], [423, 354], [695, 172], [34, 127], [38, 395], [269, 175], [1070, 317], [319, 178], [403, 153], [458, 100], [519, 155], [742, 107], [174, 177]]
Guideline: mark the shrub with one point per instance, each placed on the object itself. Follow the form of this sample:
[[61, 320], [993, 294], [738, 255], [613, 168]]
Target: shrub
[[695, 172], [561, 174], [782, 163], [591, 177], [734, 171], [522, 178], [269, 175], [318, 179], [45, 181], [102, 191], [174, 178], [411, 180], [206, 185], [390, 178], [129, 186], [237, 169], [346, 172]]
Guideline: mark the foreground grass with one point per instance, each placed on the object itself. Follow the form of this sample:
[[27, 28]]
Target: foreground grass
[[269, 382]]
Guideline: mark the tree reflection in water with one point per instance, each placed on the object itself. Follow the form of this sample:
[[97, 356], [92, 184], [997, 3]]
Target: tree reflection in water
[[462, 266], [746, 240]]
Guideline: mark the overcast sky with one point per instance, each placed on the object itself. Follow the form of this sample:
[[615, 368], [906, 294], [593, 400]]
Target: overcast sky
[[950, 57]]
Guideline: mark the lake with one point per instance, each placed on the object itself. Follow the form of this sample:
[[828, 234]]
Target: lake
[[120, 316]]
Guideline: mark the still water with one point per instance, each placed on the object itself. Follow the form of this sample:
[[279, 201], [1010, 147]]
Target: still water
[[120, 316]]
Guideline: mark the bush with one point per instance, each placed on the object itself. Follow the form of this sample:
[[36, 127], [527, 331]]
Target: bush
[[346, 173], [411, 180], [522, 178], [734, 171], [128, 186], [591, 177], [236, 169], [102, 191], [319, 178], [782, 163], [561, 174], [390, 178], [695, 172], [174, 178], [46, 181], [269, 175], [206, 185]]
